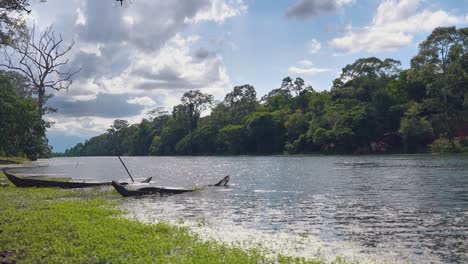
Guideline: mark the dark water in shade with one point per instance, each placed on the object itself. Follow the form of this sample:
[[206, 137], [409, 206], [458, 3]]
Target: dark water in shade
[[414, 207]]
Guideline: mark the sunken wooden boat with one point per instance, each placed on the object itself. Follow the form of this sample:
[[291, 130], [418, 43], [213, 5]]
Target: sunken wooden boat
[[148, 189], [30, 182]]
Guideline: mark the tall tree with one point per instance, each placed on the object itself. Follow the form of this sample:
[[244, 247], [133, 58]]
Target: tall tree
[[362, 79], [115, 137], [196, 102], [42, 61], [433, 62], [370, 67], [240, 102], [296, 87], [118, 125]]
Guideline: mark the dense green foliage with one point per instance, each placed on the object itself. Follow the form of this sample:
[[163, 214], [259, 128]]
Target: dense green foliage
[[22, 130], [374, 106], [64, 226]]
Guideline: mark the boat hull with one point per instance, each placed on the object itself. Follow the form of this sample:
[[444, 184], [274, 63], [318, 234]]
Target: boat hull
[[24, 182], [150, 190]]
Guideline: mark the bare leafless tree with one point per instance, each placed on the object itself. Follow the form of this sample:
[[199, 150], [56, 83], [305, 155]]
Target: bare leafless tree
[[42, 61]]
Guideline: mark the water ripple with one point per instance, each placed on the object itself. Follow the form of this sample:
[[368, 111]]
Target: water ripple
[[369, 208]]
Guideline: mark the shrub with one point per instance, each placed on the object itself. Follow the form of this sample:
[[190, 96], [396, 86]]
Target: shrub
[[443, 145]]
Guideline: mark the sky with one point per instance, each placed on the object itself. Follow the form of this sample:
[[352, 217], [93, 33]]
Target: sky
[[147, 53]]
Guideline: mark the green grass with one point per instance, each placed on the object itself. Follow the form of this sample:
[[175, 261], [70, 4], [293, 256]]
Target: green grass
[[83, 226], [12, 160]]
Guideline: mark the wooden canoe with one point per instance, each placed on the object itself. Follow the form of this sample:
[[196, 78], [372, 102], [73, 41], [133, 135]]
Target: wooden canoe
[[29, 182]]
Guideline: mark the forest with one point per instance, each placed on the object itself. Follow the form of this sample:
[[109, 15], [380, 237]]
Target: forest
[[374, 106]]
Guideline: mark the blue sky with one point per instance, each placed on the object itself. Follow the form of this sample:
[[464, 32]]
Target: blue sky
[[268, 42], [148, 53]]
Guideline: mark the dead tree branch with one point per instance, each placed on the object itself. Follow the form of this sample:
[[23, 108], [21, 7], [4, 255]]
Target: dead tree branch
[[42, 60]]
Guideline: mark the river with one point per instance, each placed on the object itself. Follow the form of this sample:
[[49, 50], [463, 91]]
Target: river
[[389, 208]]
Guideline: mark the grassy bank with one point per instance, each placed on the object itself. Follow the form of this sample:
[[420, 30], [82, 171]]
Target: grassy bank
[[12, 160], [83, 226]]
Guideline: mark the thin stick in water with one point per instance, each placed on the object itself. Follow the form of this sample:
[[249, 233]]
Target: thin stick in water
[[126, 168]]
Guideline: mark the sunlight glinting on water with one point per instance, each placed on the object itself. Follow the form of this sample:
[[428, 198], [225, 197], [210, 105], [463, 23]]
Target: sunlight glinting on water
[[271, 244], [390, 209]]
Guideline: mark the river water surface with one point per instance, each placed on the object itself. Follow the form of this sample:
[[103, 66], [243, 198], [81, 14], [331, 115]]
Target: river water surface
[[409, 209]]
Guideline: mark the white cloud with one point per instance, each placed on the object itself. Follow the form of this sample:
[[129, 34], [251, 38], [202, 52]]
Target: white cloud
[[80, 18], [394, 29], [79, 126], [130, 20], [304, 70], [219, 11], [314, 46], [399, 10], [345, 2], [144, 101], [306, 62], [172, 68], [169, 73], [133, 58]]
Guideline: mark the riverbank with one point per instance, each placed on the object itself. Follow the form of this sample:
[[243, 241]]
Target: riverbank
[[84, 226], [12, 160]]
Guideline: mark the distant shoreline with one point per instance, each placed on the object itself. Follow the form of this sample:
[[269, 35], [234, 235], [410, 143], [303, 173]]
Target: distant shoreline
[[283, 155]]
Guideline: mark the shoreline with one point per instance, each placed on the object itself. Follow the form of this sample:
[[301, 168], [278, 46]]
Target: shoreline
[[305, 246], [87, 226], [13, 160], [465, 153]]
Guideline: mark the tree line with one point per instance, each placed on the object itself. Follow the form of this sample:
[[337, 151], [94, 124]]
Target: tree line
[[374, 106]]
